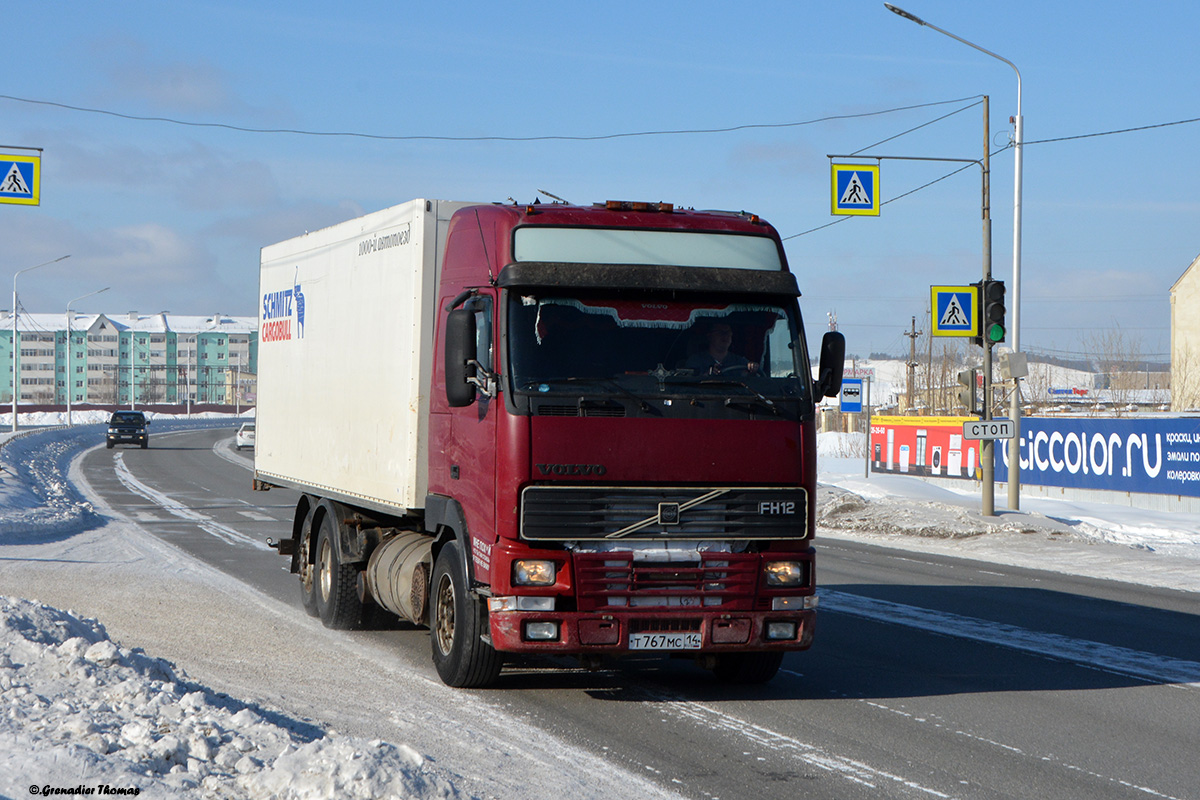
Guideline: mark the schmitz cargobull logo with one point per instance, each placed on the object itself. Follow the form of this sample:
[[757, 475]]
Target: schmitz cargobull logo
[[283, 314]]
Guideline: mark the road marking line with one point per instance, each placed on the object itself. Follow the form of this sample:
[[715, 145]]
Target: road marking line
[[782, 744], [206, 524], [1048, 759], [1096, 655]]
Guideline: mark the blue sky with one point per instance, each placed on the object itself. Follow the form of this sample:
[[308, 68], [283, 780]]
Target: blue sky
[[172, 217]]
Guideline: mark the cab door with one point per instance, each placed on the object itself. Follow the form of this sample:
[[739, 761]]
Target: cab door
[[470, 446]]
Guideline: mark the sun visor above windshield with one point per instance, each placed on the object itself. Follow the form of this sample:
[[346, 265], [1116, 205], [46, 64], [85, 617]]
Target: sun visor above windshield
[[541, 274]]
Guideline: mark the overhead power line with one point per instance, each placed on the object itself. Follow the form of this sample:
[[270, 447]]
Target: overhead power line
[[433, 138], [1114, 133]]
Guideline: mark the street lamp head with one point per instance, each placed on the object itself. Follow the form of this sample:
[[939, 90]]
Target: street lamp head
[[901, 12]]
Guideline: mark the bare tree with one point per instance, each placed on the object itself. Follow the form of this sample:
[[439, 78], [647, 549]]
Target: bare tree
[[1185, 378], [1119, 357]]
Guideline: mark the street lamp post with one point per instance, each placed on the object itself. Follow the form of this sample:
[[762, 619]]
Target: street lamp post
[[1014, 450], [70, 344], [16, 350]]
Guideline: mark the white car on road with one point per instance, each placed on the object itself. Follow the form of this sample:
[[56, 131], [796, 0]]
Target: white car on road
[[245, 436]]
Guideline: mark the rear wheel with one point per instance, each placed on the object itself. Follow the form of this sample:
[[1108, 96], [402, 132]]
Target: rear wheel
[[337, 583], [456, 624], [747, 667]]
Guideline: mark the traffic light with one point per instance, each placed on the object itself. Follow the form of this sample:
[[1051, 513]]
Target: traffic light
[[993, 312], [966, 395]]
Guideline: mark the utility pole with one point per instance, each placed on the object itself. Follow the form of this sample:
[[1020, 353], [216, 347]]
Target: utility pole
[[912, 362], [987, 447]]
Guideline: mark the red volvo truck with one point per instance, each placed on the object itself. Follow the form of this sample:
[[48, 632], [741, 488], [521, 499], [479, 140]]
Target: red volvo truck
[[569, 430]]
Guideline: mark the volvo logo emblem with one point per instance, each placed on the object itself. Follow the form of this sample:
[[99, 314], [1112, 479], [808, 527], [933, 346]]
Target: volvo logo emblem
[[668, 513], [572, 469]]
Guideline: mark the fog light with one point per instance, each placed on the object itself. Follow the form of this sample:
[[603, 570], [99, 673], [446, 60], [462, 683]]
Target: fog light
[[784, 573], [781, 630], [528, 572], [544, 631]]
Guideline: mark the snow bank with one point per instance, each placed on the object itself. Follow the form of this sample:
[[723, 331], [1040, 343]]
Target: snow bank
[[80, 711]]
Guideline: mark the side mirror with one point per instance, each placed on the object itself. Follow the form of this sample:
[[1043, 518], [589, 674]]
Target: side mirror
[[460, 358], [833, 364]]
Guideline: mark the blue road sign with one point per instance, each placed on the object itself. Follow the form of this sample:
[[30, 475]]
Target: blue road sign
[[852, 389], [855, 189], [955, 310], [20, 179]]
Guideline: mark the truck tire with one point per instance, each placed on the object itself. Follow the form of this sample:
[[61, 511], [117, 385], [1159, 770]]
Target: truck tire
[[307, 569], [462, 658], [336, 583], [747, 667]]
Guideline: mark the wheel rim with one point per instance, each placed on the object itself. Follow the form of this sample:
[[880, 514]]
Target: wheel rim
[[306, 567], [326, 576], [445, 615]]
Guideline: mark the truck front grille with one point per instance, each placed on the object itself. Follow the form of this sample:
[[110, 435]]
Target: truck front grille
[[576, 513], [718, 581]]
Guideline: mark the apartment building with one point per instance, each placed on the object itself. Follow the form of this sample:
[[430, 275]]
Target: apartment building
[[129, 359]]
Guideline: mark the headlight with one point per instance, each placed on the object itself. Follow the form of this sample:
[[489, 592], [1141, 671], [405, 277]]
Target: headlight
[[784, 573], [528, 572]]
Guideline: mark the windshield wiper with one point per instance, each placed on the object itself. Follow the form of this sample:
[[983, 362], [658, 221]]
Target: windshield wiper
[[609, 382], [732, 402]]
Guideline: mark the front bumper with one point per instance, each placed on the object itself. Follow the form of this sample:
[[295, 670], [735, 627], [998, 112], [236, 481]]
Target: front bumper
[[609, 633], [132, 437]]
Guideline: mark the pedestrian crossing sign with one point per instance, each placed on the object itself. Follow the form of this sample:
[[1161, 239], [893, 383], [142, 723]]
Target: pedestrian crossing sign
[[955, 310], [855, 189], [20, 179]]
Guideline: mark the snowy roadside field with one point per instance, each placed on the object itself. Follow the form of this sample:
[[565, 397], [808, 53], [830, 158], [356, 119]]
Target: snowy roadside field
[[109, 678], [127, 692]]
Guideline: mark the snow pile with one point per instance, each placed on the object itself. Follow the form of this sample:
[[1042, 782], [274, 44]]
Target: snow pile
[[848, 511], [36, 498], [81, 711]]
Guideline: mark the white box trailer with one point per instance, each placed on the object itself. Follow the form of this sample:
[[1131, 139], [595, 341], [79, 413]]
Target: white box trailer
[[345, 354]]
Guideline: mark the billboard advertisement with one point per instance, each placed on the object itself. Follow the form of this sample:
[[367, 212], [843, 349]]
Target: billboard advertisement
[[923, 446], [1151, 456]]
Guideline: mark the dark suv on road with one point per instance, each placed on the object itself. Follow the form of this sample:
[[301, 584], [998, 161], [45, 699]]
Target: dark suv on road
[[128, 427]]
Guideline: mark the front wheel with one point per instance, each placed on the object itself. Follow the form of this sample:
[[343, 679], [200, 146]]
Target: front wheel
[[337, 583], [456, 623]]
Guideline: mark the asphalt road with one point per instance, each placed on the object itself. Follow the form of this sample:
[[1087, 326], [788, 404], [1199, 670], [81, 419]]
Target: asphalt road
[[930, 677]]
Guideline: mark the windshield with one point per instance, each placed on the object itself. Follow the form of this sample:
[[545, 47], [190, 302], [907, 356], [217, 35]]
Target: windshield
[[644, 349]]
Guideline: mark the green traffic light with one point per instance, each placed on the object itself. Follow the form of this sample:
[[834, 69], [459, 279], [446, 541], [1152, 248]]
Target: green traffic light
[[995, 333]]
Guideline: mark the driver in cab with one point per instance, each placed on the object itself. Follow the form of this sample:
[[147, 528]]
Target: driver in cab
[[717, 358]]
